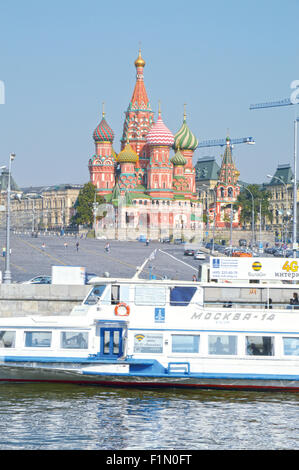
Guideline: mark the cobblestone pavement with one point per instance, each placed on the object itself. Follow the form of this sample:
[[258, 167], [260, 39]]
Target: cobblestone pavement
[[29, 258]]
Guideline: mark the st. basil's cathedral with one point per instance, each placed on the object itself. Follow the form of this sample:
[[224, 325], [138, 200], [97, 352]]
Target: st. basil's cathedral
[[159, 187]]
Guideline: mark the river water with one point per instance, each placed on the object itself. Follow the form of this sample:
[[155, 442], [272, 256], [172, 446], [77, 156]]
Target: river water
[[68, 417]]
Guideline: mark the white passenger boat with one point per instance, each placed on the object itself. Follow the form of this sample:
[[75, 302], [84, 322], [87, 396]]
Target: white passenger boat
[[133, 332]]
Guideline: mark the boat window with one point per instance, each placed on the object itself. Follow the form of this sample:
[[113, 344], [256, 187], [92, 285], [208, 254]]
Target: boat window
[[291, 346], [181, 295], [148, 343], [7, 339], [150, 295], [74, 340], [260, 345], [115, 297], [116, 341], [38, 339], [94, 295], [185, 343], [222, 344]]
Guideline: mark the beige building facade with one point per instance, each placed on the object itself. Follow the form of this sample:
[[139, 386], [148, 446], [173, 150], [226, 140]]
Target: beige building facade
[[39, 208]]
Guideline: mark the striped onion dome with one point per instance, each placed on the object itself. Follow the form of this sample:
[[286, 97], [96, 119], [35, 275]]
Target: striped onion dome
[[159, 134], [178, 159], [127, 155], [184, 139], [103, 133]]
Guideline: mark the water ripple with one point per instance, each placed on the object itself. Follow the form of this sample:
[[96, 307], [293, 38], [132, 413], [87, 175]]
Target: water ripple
[[61, 417]]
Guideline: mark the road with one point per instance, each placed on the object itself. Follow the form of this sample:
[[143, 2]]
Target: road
[[29, 258]]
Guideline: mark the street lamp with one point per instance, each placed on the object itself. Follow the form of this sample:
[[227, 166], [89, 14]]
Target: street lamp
[[95, 206], [295, 191], [7, 273], [214, 218]]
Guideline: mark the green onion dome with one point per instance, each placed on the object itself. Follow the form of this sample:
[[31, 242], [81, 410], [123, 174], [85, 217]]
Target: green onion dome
[[127, 155], [178, 159], [184, 139]]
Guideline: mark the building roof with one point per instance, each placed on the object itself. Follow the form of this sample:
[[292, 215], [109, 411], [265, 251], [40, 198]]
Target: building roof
[[139, 98], [178, 159], [127, 155], [103, 132], [207, 168], [160, 134], [282, 175], [184, 139], [4, 181], [58, 187]]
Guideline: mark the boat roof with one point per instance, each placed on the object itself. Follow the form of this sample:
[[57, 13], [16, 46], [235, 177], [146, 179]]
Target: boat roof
[[174, 282]]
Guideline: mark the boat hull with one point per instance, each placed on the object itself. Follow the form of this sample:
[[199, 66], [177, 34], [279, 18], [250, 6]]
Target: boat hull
[[80, 376]]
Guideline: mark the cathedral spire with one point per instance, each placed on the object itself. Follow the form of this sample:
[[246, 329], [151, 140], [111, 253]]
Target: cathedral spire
[[139, 98], [139, 116]]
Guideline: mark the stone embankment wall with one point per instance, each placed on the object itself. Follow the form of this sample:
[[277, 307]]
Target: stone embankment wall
[[39, 299]]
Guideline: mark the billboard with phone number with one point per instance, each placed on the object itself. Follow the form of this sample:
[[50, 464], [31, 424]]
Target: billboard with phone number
[[269, 269]]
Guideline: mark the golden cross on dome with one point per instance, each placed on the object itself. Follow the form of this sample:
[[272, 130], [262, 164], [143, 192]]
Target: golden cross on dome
[[103, 110]]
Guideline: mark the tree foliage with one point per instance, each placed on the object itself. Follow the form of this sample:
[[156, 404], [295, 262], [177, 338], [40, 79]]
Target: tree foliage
[[84, 205], [261, 198]]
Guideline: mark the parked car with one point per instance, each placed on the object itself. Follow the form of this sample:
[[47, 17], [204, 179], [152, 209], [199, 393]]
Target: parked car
[[242, 254], [178, 241], [166, 240], [39, 280], [189, 252], [199, 255]]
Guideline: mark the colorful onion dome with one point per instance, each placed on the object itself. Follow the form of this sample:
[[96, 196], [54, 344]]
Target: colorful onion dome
[[103, 133], [159, 134], [178, 159], [184, 139], [139, 62], [127, 155]]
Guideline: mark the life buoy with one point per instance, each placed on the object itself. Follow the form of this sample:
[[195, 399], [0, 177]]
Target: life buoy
[[122, 310]]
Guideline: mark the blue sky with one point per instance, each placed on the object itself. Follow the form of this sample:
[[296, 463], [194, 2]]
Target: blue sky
[[60, 60]]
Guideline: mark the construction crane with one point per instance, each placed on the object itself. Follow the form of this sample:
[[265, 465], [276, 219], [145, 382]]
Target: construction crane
[[293, 100], [272, 104], [223, 142]]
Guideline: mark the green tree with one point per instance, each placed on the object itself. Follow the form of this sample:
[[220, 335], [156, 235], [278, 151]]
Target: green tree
[[84, 205], [261, 198]]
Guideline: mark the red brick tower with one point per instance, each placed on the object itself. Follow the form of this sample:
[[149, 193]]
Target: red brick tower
[[160, 169], [102, 164], [227, 189]]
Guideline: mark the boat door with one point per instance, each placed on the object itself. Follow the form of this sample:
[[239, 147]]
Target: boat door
[[112, 340]]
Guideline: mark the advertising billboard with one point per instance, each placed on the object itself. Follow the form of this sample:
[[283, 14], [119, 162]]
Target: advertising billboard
[[269, 269]]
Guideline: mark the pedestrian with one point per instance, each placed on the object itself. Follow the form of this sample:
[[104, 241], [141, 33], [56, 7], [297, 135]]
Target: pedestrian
[[3, 251], [77, 246], [194, 279], [107, 247], [65, 244], [43, 246], [294, 300]]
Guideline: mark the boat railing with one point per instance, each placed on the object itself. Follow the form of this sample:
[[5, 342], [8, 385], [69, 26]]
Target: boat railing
[[253, 305]]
